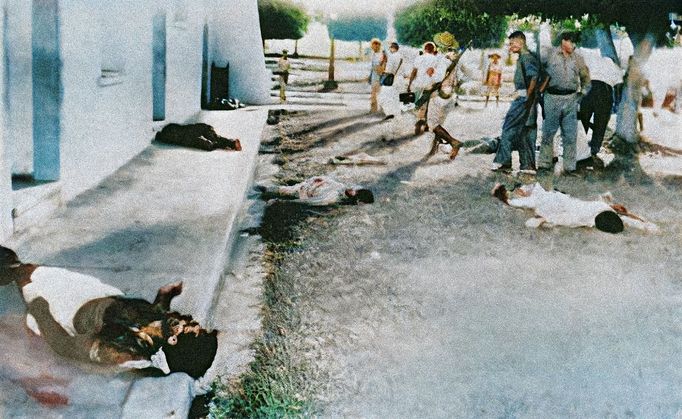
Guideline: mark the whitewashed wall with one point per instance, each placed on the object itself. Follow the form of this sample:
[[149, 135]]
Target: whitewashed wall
[[235, 33], [19, 106], [6, 227], [103, 126], [104, 122], [184, 34]]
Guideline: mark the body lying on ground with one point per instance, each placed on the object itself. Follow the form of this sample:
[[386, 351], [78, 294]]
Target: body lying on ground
[[554, 208], [201, 136], [319, 191], [84, 319], [359, 159]]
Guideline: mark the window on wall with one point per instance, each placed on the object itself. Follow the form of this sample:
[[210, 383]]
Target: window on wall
[[113, 44]]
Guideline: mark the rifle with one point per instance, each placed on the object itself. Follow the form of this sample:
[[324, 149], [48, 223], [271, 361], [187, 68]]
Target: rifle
[[426, 96]]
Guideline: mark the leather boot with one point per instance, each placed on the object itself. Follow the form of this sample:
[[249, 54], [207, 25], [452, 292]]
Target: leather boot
[[442, 135]]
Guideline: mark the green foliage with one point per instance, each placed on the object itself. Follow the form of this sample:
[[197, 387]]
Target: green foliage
[[418, 23], [357, 28], [282, 19], [638, 17], [587, 25], [530, 23]]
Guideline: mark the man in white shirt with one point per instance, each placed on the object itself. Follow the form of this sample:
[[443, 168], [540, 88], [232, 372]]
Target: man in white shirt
[[319, 191], [554, 208], [391, 82], [423, 76], [84, 319]]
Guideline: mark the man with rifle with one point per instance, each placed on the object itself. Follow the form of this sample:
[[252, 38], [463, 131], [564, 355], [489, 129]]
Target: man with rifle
[[436, 99], [519, 129]]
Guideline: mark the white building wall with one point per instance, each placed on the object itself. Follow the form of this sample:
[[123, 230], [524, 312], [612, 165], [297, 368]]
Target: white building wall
[[103, 126], [184, 38], [104, 122], [19, 106], [236, 40], [6, 226]]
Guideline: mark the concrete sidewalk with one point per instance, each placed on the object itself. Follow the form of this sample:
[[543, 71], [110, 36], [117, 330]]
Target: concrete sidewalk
[[167, 215]]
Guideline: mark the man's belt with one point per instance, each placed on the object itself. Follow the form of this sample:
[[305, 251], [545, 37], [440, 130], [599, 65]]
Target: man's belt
[[560, 92]]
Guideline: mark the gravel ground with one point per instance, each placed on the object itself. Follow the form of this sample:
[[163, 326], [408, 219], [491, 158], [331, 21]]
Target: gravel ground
[[437, 301]]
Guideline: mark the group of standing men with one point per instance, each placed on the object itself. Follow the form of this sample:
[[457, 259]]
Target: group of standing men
[[432, 79], [564, 79]]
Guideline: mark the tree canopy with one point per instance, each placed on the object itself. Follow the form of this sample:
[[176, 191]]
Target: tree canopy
[[419, 22], [282, 19], [639, 18], [357, 28]]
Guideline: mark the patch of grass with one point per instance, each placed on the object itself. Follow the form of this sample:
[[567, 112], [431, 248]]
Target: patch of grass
[[275, 385]]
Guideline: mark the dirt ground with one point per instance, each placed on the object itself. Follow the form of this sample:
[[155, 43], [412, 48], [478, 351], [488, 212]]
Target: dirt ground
[[437, 301]]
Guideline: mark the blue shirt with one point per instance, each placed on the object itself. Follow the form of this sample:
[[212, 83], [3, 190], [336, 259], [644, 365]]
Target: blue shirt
[[530, 65]]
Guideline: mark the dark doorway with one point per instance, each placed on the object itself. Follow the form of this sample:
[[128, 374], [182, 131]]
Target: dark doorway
[[205, 77], [47, 90], [159, 67]]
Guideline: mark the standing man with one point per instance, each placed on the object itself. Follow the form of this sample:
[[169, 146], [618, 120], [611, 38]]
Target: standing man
[[422, 78], [520, 123], [568, 81], [283, 67], [391, 82], [598, 103], [439, 102], [378, 65]]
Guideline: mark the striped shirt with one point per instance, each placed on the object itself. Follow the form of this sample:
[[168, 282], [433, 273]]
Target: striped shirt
[[567, 72]]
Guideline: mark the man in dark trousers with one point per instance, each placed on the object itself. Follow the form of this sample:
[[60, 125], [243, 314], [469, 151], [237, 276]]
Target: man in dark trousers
[[598, 103], [520, 126]]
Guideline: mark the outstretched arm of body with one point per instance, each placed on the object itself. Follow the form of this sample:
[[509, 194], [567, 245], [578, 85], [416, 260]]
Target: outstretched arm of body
[[76, 347], [81, 347], [166, 294]]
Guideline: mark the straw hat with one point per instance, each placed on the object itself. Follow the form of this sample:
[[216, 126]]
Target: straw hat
[[445, 40]]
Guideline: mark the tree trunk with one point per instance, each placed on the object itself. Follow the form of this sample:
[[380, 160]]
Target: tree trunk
[[483, 65], [606, 46], [331, 84], [332, 59], [296, 48], [626, 122]]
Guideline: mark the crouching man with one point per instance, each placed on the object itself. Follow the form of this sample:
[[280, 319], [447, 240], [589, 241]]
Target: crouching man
[[84, 319], [319, 191]]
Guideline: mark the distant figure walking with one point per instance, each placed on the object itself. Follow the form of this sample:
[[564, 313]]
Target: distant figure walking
[[493, 78], [378, 64], [283, 67], [391, 82]]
